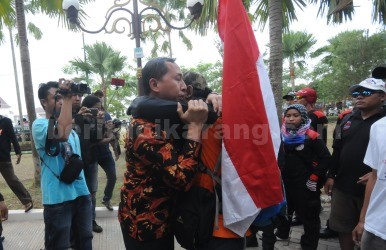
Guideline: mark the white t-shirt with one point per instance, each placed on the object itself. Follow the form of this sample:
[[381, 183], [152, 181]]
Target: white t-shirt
[[375, 221]]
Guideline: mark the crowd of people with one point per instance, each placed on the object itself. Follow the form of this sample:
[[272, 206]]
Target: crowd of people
[[173, 146]]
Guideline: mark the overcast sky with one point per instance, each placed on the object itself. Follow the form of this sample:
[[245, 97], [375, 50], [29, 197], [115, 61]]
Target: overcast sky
[[58, 46]]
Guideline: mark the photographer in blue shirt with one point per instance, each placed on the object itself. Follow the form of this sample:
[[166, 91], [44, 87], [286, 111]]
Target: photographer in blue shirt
[[67, 206]]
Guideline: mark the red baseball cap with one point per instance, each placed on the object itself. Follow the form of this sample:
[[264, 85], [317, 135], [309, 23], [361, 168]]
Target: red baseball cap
[[309, 94]]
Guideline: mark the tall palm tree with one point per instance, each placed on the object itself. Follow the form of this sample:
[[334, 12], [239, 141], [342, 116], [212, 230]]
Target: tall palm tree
[[27, 76], [296, 45], [8, 10], [102, 60]]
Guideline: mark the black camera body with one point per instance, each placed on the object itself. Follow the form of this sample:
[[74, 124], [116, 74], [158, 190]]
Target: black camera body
[[76, 88]]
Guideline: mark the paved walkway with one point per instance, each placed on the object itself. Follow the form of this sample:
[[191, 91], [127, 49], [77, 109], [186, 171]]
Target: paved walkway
[[26, 231]]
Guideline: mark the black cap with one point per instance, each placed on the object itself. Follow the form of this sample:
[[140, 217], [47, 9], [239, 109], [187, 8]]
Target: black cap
[[379, 72], [289, 95]]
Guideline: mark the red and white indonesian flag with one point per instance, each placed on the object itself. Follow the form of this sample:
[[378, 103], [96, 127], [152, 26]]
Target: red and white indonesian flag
[[250, 174]]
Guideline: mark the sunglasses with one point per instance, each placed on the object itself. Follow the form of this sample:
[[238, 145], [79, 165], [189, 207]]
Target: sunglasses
[[299, 97], [364, 93]]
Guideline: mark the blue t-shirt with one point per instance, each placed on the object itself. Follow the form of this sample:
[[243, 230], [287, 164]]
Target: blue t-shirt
[[53, 190]]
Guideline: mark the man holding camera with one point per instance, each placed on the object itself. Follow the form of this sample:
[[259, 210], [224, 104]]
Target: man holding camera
[[67, 205], [105, 159]]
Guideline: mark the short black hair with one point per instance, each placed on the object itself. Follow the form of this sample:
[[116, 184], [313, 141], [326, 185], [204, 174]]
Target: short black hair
[[90, 100], [45, 87], [98, 93], [155, 68]]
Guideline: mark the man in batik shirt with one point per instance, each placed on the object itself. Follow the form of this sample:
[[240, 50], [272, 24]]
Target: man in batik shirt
[[159, 165]]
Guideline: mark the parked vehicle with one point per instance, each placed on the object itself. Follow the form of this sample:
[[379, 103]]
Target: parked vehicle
[[27, 133]]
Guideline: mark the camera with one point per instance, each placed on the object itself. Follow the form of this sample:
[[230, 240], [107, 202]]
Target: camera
[[94, 111], [76, 88], [80, 88]]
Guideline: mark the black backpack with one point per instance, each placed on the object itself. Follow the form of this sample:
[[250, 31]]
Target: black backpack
[[196, 213]]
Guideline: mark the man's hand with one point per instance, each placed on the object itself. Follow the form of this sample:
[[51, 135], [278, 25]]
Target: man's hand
[[357, 233], [363, 179], [65, 85], [328, 186], [3, 211], [216, 101], [18, 158], [84, 111], [196, 114]]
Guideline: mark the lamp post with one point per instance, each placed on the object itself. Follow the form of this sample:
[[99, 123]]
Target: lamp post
[[72, 8]]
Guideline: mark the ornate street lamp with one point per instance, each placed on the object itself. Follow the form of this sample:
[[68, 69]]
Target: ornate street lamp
[[136, 23]]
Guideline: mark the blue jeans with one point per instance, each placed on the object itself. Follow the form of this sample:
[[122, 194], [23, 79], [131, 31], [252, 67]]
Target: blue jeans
[[108, 164], [91, 176], [60, 218]]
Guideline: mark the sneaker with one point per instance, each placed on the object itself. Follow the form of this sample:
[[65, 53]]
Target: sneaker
[[28, 206], [96, 228], [108, 205]]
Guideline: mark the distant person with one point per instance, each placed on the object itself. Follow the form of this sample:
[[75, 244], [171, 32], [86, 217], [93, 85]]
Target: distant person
[[3, 217], [319, 121], [348, 174], [7, 136], [370, 233], [379, 72], [290, 98], [105, 133], [67, 206], [105, 158]]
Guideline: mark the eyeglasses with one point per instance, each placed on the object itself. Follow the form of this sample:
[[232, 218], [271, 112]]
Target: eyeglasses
[[364, 93], [299, 97]]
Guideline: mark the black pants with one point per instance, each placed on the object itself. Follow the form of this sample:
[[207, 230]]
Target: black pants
[[217, 243], [307, 206], [6, 170], [166, 243]]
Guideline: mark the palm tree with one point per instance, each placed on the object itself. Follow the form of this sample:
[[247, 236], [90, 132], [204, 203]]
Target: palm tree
[[11, 10], [37, 34], [342, 10], [102, 60], [296, 45], [27, 76]]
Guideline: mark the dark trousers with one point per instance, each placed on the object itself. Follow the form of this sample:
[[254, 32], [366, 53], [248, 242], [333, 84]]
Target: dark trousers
[[217, 243], [7, 171], [108, 165], [166, 243], [307, 206], [60, 219], [91, 176]]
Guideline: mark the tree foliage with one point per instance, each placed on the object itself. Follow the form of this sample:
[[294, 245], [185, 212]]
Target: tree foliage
[[348, 59], [212, 73], [101, 61]]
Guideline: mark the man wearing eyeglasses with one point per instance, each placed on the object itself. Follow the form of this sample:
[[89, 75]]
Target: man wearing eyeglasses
[[348, 174]]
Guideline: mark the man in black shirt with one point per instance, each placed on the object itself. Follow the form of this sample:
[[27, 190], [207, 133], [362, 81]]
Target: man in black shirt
[[348, 174], [7, 136]]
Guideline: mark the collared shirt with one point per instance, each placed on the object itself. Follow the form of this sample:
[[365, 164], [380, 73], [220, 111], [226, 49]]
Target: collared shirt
[[156, 171], [349, 152]]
